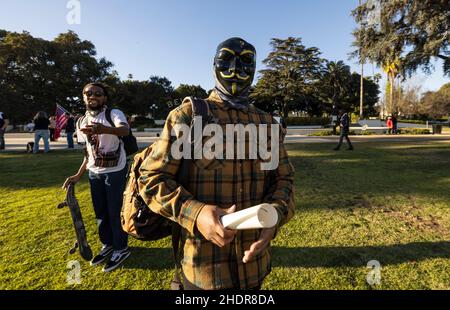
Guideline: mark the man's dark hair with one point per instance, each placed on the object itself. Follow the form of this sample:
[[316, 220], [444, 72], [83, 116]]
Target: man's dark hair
[[100, 85]]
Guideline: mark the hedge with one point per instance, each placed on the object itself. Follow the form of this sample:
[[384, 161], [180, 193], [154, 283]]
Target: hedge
[[308, 121]]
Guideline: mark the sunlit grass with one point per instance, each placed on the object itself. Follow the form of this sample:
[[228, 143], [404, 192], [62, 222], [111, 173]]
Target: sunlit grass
[[385, 202]]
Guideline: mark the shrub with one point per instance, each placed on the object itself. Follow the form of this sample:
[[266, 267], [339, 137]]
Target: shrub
[[366, 133], [322, 133], [422, 122], [414, 131], [412, 121], [308, 121]]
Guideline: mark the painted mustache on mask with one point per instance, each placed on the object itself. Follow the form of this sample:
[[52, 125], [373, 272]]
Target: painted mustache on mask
[[234, 74]]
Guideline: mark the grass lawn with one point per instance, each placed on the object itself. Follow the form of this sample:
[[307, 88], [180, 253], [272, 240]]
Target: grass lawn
[[385, 202]]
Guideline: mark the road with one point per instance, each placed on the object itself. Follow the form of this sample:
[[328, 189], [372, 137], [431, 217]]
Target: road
[[16, 142]]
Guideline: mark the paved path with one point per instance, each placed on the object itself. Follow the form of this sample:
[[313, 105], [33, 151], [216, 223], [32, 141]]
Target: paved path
[[17, 141]]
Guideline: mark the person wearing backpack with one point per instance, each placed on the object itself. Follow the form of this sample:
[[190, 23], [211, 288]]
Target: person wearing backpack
[[103, 130], [196, 193]]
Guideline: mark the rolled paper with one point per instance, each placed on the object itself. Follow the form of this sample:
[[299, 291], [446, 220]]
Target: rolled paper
[[260, 216]]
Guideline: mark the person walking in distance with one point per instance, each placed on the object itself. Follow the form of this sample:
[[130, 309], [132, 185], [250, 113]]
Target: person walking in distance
[[344, 124]]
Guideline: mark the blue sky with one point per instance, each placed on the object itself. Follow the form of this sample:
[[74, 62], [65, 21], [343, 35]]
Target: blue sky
[[177, 38]]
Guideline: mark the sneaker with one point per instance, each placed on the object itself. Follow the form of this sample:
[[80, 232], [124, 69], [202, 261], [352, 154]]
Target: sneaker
[[102, 256], [336, 149], [116, 260], [350, 148]]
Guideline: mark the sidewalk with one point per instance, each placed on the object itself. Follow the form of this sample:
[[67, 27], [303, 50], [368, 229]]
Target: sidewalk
[[17, 142]]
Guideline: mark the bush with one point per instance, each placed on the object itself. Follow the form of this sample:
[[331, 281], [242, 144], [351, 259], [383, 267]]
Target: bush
[[143, 121], [422, 122], [308, 121], [366, 133], [414, 131], [322, 133], [412, 121]]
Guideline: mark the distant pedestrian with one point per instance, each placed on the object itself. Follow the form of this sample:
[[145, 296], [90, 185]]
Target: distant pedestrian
[[4, 122], [394, 124], [390, 125], [344, 124], [41, 124], [30, 126], [280, 120], [52, 128], [70, 129]]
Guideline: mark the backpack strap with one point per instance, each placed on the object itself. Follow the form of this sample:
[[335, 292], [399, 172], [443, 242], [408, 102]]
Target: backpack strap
[[109, 118], [200, 107], [79, 121]]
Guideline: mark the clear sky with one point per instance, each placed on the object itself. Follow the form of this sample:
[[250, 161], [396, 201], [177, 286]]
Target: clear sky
[[177, 38]]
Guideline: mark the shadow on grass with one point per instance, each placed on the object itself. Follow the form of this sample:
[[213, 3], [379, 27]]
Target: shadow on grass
[[150, 258], [312, 257], [358, 256]]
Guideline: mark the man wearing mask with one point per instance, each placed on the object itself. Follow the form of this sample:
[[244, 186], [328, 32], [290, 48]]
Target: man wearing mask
[[105, 158], [215, 257]]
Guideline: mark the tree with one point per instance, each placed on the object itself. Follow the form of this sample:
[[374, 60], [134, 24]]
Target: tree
[[185, 90], [75, 65], [335, 84], [290, 79], [35, 74], [437, 104], [144, 97], [418, 31], [409, 102], [371, 95], [341, 88]]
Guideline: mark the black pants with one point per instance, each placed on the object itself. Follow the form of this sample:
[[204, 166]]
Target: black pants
[[341, 138], [106, 191], [2, 139]]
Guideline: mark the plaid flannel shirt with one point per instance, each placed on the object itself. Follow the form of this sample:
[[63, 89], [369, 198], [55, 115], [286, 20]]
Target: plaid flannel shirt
[[218, 182]]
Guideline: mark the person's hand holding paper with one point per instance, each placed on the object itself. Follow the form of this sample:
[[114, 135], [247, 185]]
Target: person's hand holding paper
[[209, 225], [261, 216]]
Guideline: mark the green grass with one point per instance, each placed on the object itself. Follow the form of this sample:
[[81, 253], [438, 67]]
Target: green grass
[[385, 202]]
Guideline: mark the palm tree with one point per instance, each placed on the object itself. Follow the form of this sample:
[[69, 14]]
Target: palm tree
[[337, 78]]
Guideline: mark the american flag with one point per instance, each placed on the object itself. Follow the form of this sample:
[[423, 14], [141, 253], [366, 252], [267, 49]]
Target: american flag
[[61, 120]]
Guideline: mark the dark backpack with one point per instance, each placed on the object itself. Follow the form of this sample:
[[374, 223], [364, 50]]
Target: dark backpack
[[137, 219], [129, 142]]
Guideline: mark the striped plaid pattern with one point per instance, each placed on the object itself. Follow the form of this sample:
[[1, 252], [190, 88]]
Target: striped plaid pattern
[[217, 182]]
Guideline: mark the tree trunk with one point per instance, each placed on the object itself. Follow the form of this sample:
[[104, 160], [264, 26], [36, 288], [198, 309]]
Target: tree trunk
[[391, 92], [361, 93]]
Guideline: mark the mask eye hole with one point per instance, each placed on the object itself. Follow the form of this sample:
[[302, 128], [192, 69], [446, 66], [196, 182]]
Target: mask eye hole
[[225, 55], [247, 59]]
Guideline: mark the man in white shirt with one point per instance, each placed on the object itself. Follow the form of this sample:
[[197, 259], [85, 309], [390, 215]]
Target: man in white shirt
[[105, 158]]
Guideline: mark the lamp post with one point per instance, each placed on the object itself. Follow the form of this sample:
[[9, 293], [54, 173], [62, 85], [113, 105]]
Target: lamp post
[[334, 118]]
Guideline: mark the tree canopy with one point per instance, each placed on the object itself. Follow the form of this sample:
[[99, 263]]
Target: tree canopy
[[409, 32], [36, 74], [298, 79]]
